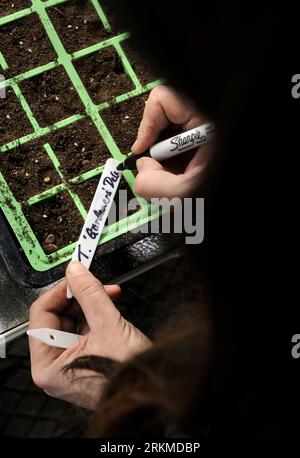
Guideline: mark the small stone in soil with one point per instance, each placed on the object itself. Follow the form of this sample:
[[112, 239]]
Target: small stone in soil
[[50, 248], [50, 239], [63, 220], [25, 169]]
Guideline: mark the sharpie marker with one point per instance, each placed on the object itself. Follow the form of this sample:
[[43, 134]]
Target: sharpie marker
[[173, 146]]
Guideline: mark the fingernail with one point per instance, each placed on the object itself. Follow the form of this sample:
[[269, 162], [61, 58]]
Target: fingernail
[[76, 268], [139, 164], [134, 146]]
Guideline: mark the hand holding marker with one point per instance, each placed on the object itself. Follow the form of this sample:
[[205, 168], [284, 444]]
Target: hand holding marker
[[173, 146], [110, 180], [108, 185]]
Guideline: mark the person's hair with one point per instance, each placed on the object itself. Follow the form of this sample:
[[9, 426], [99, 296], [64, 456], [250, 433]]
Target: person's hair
[[233, 61]]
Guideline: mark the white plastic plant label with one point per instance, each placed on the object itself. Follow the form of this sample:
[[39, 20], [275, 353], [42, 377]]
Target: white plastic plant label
[[97, 215]]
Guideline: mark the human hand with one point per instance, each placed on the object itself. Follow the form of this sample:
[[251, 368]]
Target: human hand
[[104, 333], [155, 179]]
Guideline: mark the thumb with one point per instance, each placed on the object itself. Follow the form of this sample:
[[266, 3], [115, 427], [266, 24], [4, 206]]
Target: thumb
[[90, 294], [153, 181], [147, 163]]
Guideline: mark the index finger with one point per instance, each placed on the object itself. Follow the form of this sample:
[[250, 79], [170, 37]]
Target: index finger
[[44, 313], [90, 294], [164, 106]]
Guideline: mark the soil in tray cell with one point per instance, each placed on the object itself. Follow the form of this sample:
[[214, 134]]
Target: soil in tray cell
[[77, 24], [11, 6], [140, 64], [13, 120], [51, 96], [86, 192], [56, 222], [25, 45], [79, 148], [123, 120], [28, 170], [104, 75]]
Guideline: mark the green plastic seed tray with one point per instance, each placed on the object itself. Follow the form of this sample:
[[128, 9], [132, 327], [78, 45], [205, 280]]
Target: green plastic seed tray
[[74, 95]]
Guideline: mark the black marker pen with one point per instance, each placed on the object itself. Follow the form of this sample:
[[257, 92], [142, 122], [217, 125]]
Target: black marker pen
[[173, 146]]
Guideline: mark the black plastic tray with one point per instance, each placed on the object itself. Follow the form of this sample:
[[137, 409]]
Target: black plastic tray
[[112, 259]]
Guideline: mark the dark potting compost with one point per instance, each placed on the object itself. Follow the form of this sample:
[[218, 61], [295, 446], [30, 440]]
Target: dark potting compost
[[70, 100], [125, 117], [77, 23], [13, 121], [79, 148], [145, 74], [51, 96], [28, 170], [25, 45], [12, 6], [104, 75]]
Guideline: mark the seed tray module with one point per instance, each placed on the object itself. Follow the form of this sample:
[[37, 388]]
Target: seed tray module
[[73, 91]]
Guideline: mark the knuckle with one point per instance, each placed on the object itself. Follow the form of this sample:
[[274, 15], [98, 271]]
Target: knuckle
[[147, 126], [139, 185], [185, 188], [46, 382], [91, 287], [30, 312], [38, 379], [34, 306], [157, 94], [151, 126]]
